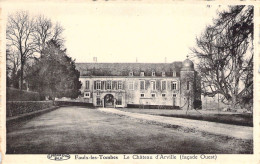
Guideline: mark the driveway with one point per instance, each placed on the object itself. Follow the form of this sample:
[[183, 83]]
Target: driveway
[[78, 130]]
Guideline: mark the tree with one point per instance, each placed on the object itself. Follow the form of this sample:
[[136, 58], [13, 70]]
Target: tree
[[46, 31], [225, 53], [27, 37], [54, 74], [19, 38]]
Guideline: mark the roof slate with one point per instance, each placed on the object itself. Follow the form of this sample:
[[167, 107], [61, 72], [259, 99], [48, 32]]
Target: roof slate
[[123, 69]]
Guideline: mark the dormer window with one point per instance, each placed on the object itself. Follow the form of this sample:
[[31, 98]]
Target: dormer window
[[142, 74], [153, 73], [163, 74], [131, 73], [174, 74]]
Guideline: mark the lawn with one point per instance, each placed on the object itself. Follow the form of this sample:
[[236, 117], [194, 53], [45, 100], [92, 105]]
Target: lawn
[[74, 130], [244, 119]]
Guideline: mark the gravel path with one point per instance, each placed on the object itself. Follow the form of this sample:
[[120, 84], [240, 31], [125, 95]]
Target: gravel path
[[240, 132]]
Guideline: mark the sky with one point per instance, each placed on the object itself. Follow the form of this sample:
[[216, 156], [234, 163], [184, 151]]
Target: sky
[[127, 32]]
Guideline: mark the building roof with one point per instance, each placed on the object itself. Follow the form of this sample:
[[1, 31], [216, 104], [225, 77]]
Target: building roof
[[123, 69], [187, 65]]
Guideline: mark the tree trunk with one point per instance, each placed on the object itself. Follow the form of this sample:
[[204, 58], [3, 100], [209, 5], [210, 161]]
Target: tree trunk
[[21, 77]]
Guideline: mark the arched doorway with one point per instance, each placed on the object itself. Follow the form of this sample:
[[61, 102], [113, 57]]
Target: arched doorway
[[109, 100]]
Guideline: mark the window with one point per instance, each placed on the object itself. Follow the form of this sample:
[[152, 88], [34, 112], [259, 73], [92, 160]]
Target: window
[[153, 86], [153, 95], [163, 95], [98, 93], [103, 85], [120, 85], [142, 85], [87, 94], [153, 73], [174, 85], [97, 85], [131, 73], [119, 100], [163, 85], [87, 84], [99, 101], [142, 95], [109, 85], [163, 74], [174, 74], [142, 74], [131, 85], [174, 95], [188, 85]]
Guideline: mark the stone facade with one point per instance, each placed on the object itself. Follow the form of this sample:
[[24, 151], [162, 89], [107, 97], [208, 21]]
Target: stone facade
[[131, 84]]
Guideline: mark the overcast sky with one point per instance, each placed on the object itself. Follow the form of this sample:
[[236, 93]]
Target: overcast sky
[[124, 32]]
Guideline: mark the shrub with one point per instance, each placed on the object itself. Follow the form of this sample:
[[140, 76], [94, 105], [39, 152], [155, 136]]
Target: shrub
[[197, 104], [13, 94]]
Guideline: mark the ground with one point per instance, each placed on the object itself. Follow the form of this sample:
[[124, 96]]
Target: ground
[[244, 119], [77, 130]]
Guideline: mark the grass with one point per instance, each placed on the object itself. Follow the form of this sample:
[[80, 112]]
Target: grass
[[243, 119], [74, 130]]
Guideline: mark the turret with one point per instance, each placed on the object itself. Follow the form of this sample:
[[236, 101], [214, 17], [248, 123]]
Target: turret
[[187, 75]]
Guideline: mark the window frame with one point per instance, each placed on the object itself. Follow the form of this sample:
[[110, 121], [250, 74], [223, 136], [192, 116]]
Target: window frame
[[141, 85], [174, 74], [119, 83], [87, 87], [153, 87], [131, 83], [162, 85], [142, 73], [153, 73], [86, 93], [109, 83], [163, 74], [172, 85], [98, 85]]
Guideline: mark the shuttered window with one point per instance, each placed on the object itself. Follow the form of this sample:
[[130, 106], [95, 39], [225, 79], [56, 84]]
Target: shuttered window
[[87, 84], [142, 85], [163, 85]]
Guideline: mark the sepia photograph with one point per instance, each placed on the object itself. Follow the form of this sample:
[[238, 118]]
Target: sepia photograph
[[129, 79]]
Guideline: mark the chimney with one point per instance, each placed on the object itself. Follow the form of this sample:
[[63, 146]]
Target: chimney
[[136, 60], [95, 59], [165, 59]]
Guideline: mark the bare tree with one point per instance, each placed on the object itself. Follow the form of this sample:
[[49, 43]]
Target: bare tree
[[225, 54], [28, 37], [19, 38], [46, 31]]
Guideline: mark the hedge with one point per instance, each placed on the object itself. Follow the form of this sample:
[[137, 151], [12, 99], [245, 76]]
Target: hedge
[[13, 94], [72, 103], [15, 108], [152, 106]]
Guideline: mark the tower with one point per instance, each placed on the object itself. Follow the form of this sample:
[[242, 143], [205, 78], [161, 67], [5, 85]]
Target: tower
[[187, 83]]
